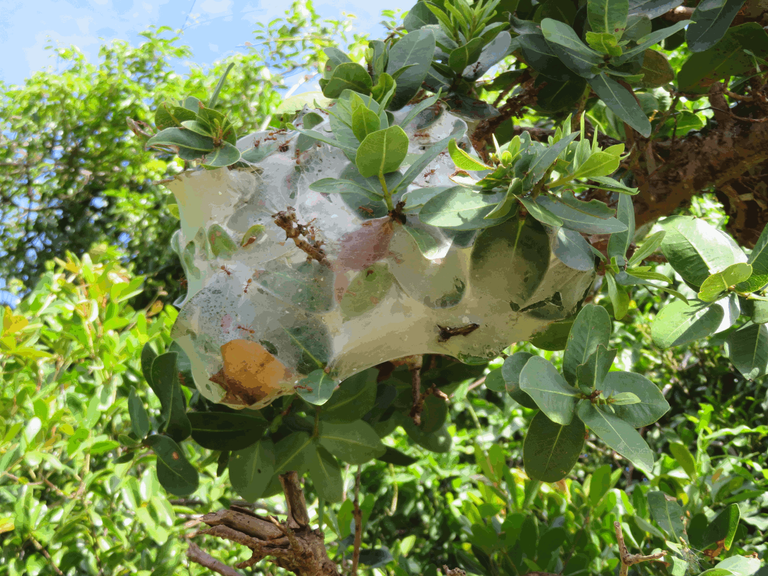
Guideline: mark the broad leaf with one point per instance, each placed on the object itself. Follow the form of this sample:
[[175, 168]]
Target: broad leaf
[[463, 160], [608, 16], [652, 404], [291, 452], [591, 329], [598, 164], [649, 40], [348, 76], [367, 288], [679, 323], [544, 160], [382, 151], [591, 374], [181, 137], [174, 472], [165, 384], [711, 20], [656, 70], [748, 350], [592, 217], [510, 371], [619, 243], [621, 102], [758, 259], [696, 249], [723, 528], [414, 50], [354, 398], [364, 122], [551, 450], [617, 434], [684, 457], [351, 442], [572, 250], [460, 208], [724, 59], [326, 474], [334, 186], [549, 390], [226, 431], [493, 52], [713, 286], [251, 469], [139, 417], [569, 48], [668, 515], [317, 387]]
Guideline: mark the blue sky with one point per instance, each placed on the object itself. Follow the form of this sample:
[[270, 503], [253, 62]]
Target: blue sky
[[213, 29]]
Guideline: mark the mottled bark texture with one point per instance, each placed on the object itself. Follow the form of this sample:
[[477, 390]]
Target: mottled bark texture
[[291, 544]]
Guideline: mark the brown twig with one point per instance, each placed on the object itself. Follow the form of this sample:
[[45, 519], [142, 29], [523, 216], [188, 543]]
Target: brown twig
[[628, 559], [358, 515], [293, 230], [195, 554]]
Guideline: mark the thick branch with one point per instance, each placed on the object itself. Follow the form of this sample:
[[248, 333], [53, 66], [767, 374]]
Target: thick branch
[[699, 162], [195, 554]]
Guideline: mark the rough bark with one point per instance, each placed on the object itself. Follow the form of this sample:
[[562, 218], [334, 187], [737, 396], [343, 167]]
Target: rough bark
[[291, 545]]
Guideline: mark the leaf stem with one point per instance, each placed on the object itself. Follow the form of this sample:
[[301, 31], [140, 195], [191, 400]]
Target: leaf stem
[[387, 195]]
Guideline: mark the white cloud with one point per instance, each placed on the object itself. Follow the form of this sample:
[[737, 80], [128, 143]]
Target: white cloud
[[213, 47]]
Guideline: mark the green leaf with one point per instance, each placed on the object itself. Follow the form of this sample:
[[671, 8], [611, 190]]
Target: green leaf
[[348, 76], [540, 213], [598, 164], [649, 40], [414, 50], [552, 394], [334, 186], [315, 135], [608, 16], [326, 474], [460, 208], [226, 431], [351, 442], [652, 405], [509, 261], [648, 247], [251, 469], [569, 48], [605, 183], [599, 484], [748, 350], [463, 56], [392, 456], [756, 310], [292, 451], [684, 457], [656, 70], [723, 528], [551, 450], [724, 59], [737, 565], [174, 472], [618, 295], [617, 434], [592, 217], [493, 52], [510, 371], [165, 384], [619, 243], [139, 418], [355, 397], [668, 515], [317, 387], [169, 115], [758, 258], [366, 290], [573, 251], [222, 244], [710, 21], [364, 122], [463, 160], [223, 155], [591, 328], [198, 127], [679, 324], [696, 249], [591, 374], [180, 137], [713, 286], [544, 160], [621, 102], [419, 16], [382, 151], [604, 43]]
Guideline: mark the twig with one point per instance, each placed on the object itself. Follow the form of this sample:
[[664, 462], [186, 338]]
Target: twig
[[358, 515], [628, 559], [195, 554]]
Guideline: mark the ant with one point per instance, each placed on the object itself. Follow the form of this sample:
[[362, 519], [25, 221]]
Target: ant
[[227, 271], [420, 135], [429, 173], [366, 210], [183, 282], [246, 329], [302, 387], [283, 147], [247, 284]]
